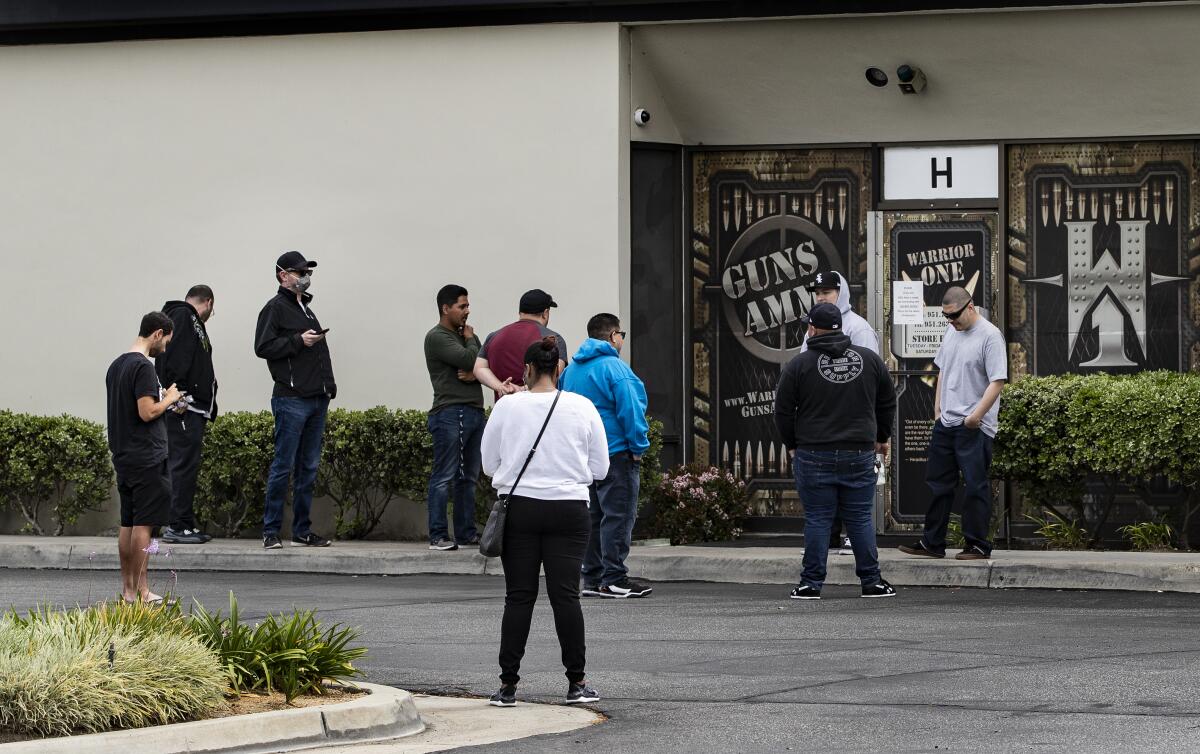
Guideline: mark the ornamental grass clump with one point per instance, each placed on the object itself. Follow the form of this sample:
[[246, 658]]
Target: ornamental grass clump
[[103, 668], [292, 654], [700, 504]]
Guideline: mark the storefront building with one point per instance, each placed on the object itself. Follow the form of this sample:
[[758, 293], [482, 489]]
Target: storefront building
[[1046, 158]]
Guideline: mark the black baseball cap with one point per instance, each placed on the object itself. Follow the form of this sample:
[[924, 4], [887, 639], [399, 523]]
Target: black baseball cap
[[824, 279], [536, 301], [825, 317], [293, 260]]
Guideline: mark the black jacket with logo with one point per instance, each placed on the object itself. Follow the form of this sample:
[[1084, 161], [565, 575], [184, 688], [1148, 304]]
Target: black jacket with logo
[[298, 371], [187, 362], [835, 396]]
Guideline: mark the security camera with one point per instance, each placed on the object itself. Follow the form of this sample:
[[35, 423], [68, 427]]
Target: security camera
[[641, 116], [910, 78]]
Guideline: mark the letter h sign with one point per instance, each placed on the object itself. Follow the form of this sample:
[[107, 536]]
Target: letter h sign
[[935, 174]]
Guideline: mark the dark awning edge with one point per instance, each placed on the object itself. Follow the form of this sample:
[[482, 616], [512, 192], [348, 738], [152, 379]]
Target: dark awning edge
[[71, 21]]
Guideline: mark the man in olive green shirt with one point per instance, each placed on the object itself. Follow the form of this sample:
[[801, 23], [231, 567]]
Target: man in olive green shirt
[[455, 421]]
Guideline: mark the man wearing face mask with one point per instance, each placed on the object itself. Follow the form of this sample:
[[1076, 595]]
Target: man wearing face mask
[[187, 362], [292, 341]]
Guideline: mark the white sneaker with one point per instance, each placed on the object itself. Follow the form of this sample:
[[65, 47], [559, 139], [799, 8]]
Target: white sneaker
[[846, 548]]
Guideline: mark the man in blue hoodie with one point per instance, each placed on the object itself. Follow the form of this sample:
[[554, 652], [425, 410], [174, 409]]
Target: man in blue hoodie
[[598, 374]]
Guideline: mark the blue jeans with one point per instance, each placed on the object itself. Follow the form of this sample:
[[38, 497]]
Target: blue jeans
[[457, 432], [951, 450], [837, 482], [299, 429], [613, 511]]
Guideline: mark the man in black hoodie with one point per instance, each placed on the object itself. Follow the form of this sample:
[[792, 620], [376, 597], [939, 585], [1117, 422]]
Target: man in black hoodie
[[292, 341], [834, 408], [187, 363]]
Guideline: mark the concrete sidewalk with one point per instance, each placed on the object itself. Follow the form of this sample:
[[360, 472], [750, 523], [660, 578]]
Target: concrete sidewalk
[[1167, 572]]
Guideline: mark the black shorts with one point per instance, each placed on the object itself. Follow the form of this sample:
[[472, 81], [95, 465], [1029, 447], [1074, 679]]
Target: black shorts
[[145, 495]]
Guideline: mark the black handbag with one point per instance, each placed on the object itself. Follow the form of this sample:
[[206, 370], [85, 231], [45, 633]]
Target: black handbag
[[491, 543]]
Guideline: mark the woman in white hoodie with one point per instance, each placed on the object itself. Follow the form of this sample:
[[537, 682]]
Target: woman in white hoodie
[[548, 524]]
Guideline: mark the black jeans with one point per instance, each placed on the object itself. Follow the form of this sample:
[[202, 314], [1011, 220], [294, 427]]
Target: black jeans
[[553, 534], [185, 441], [953, 450]]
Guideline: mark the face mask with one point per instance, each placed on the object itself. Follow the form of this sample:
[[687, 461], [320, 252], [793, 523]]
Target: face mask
[[301, 284]]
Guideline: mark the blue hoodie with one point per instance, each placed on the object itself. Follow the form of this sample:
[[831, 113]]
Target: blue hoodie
[[598, 374]]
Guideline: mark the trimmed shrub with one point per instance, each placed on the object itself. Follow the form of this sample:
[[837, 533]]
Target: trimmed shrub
[[103, 668], [652, 475], [231, 487], [1128, 431], [293, 655], [700, 504], [62, 461], [368, 459]]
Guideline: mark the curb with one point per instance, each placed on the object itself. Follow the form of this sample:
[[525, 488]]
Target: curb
[[385, 713], [1010, 569]]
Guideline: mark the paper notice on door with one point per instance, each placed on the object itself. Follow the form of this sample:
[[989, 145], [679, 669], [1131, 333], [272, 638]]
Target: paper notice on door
[[908, 302]]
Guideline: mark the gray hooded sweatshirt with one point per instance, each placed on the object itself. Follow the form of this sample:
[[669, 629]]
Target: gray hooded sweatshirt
[[860, 333]]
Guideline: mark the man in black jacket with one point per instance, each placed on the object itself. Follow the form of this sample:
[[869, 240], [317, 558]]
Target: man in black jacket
[[291, 339], [188, 364], [834, 408]]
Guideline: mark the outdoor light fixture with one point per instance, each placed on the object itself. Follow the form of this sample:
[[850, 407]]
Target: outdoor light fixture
[[910, 78], [876, 77]]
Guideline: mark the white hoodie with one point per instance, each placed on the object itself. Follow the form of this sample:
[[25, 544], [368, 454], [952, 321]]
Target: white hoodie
[[861, 333]]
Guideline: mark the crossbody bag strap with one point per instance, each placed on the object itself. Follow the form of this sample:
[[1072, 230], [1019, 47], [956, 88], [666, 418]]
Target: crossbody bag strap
[[535, 443]]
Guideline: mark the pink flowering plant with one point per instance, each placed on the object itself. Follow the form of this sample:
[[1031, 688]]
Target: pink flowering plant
[[700, 504]]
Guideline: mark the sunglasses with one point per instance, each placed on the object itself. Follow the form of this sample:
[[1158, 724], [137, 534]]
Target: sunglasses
[[955, 315], [622, 333], [301, 273]]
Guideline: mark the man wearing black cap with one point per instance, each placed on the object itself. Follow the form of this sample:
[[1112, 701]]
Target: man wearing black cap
[[834, 408], [291, 339], [501, 362]]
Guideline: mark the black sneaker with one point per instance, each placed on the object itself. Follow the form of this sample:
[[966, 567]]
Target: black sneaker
[[921, 550], [974, 552], [581, 693], [310, 540], [805, 592], [882, 589], [628, 588], [272, 542], [591, 590], [505, 697], [182, 537], [472, 542], [443, 544]]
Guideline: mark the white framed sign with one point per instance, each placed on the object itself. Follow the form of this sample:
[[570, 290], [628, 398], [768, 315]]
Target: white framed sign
[[965, 172]]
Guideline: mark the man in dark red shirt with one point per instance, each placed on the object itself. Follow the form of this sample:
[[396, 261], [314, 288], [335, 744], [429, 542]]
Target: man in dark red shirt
[[501, 361]]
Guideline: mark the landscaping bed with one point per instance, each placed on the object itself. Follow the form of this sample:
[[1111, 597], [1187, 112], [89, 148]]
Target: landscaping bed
[[116, 666]]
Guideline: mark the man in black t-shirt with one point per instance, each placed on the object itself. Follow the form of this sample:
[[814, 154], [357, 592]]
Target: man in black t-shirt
[[137, 438]]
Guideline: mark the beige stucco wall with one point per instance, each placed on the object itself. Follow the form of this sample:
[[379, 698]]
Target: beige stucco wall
[[399, 160]]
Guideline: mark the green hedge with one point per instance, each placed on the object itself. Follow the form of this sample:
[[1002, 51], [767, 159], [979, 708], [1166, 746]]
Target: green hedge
[[368, 460], [59, 462], [231, 487], [1127, 431]]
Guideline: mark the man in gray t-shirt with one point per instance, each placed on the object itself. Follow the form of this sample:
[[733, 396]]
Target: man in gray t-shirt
[[973, 361]]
